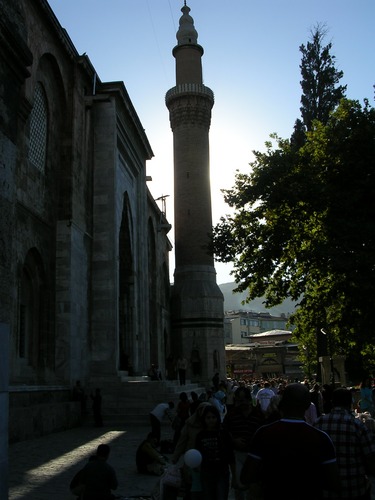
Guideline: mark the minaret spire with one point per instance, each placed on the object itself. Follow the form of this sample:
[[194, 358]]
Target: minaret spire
[[197, 302], [186, 33]]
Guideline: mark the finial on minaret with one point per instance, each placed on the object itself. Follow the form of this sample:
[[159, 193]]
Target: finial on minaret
[[186, 33]]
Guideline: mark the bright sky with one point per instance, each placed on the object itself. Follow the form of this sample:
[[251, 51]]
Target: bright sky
[[251, 62]]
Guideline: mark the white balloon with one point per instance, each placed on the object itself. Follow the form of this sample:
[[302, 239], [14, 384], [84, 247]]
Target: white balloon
[[193, 458]]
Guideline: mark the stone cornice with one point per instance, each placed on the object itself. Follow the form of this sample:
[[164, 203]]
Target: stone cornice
[[118, 90], [59, 30]]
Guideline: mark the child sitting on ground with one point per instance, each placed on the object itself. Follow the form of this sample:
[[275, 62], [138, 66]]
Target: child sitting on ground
[[148, 459]]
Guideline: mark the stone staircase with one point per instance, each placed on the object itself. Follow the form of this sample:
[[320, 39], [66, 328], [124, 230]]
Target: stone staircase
[[130, 401]]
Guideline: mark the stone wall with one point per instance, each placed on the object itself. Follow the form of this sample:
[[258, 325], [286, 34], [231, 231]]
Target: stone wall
[[36, 411], [4, 405]]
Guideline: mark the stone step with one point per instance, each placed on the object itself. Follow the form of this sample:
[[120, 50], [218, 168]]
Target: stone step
[[144, 384], [131, 401]]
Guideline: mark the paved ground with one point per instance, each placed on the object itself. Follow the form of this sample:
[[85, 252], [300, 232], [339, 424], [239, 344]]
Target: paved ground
[[42, 468]]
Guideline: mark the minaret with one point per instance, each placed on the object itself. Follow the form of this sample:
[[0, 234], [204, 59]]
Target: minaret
[[197, 302]]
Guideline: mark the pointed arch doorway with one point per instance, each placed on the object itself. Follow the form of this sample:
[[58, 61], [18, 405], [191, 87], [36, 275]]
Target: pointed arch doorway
[[126, 291]]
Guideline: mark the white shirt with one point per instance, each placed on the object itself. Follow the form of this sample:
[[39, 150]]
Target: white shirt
[[161, 410], [264, 397], [311, 414], [220, 406]]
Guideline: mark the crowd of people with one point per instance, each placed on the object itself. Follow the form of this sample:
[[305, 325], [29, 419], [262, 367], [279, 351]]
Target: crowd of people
[[266, 439], [274, 438]]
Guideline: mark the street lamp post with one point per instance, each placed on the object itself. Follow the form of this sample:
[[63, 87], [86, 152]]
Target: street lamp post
[[308, 361], [320, 351], [330, 356]]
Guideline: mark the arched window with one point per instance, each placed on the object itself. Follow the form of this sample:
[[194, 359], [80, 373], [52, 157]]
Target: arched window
[[38, 129]]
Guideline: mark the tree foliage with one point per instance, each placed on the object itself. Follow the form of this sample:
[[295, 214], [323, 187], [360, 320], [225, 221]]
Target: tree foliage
[[321, 91], [303, 227]]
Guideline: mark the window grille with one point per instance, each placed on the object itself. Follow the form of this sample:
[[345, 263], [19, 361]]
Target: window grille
[[38, 129]]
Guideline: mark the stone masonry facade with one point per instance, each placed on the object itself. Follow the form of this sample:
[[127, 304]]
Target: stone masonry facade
[[84, 251]]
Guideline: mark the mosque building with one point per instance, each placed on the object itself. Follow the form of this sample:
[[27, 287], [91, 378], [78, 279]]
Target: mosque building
[[84, 248]]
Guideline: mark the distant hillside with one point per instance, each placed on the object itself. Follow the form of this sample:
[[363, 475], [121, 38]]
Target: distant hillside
[[232, 302]]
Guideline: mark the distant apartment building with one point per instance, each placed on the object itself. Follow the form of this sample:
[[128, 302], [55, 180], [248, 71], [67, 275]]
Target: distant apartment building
[[261, 345], [240, 326]]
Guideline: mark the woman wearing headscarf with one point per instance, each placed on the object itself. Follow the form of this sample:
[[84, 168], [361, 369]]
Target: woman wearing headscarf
[[218, 401], [186, 441]]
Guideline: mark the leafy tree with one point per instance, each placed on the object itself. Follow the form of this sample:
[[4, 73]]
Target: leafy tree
[[321, 92], [303, 228], [302, 224]]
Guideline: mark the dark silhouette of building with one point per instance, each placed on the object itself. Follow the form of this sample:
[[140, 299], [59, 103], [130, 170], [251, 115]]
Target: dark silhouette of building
[[84, 251], [197, 302]]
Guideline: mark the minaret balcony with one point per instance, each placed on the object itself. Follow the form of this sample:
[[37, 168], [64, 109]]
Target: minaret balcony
[[184, 89]]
